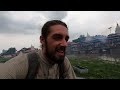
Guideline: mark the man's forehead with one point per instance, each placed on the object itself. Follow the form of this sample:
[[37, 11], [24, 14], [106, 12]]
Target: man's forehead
[[58, 29], [60, 33]]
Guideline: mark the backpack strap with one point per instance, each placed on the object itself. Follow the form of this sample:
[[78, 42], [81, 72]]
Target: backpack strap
[[61, 70], [33, 65]]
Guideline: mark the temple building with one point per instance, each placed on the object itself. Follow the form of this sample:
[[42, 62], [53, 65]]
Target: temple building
[[117, 30]]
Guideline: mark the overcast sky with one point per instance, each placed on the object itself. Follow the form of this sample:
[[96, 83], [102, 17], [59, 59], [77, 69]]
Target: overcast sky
[[22, 28]]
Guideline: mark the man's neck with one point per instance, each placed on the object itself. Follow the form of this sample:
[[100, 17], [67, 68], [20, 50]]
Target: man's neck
[[48, 60]]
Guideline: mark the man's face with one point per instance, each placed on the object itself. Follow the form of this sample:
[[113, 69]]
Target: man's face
[[56, 43]]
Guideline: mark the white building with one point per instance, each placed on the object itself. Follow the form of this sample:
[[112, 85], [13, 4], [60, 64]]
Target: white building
[[117, 29]]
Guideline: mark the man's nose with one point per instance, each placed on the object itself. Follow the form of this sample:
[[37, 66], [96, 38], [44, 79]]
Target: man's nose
[[64, 43]]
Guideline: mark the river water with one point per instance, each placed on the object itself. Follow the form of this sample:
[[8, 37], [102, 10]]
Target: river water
[[109, 58]]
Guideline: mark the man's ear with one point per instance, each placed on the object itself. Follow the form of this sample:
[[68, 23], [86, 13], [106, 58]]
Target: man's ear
[[42, 40]]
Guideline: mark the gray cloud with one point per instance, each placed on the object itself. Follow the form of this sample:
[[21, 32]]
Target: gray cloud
[[11, 26], [92, 25], [4, 21], [50, 15], [95, 25]]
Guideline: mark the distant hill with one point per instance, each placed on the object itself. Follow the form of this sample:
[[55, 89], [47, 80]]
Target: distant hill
[[10, 51]]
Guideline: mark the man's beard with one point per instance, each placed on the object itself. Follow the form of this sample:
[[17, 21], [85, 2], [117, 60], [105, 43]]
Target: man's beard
[[52, 57]]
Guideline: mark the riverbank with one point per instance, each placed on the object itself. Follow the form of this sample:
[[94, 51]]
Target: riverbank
[[97, 68]]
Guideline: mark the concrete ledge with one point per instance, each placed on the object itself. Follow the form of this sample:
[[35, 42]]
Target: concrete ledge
[[80, 70]]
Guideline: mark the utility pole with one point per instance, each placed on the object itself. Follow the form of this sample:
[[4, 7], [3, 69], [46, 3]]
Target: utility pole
[[110, 29]]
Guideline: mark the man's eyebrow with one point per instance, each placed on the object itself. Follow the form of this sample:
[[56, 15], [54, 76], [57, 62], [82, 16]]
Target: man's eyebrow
[[57, 34], [60, 35]]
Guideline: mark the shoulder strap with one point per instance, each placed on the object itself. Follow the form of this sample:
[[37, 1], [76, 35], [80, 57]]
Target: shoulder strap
[[61, 70], [33, 64]]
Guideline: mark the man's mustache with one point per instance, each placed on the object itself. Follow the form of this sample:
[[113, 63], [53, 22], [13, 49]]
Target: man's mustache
[[61, 48]]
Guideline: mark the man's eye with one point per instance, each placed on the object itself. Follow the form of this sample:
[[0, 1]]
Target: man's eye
[[67, 38], [57, 37]]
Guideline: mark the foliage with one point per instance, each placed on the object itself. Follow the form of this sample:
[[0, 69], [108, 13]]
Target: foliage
[[2, 60], [97, 69], [80, 39], [10, 51]]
